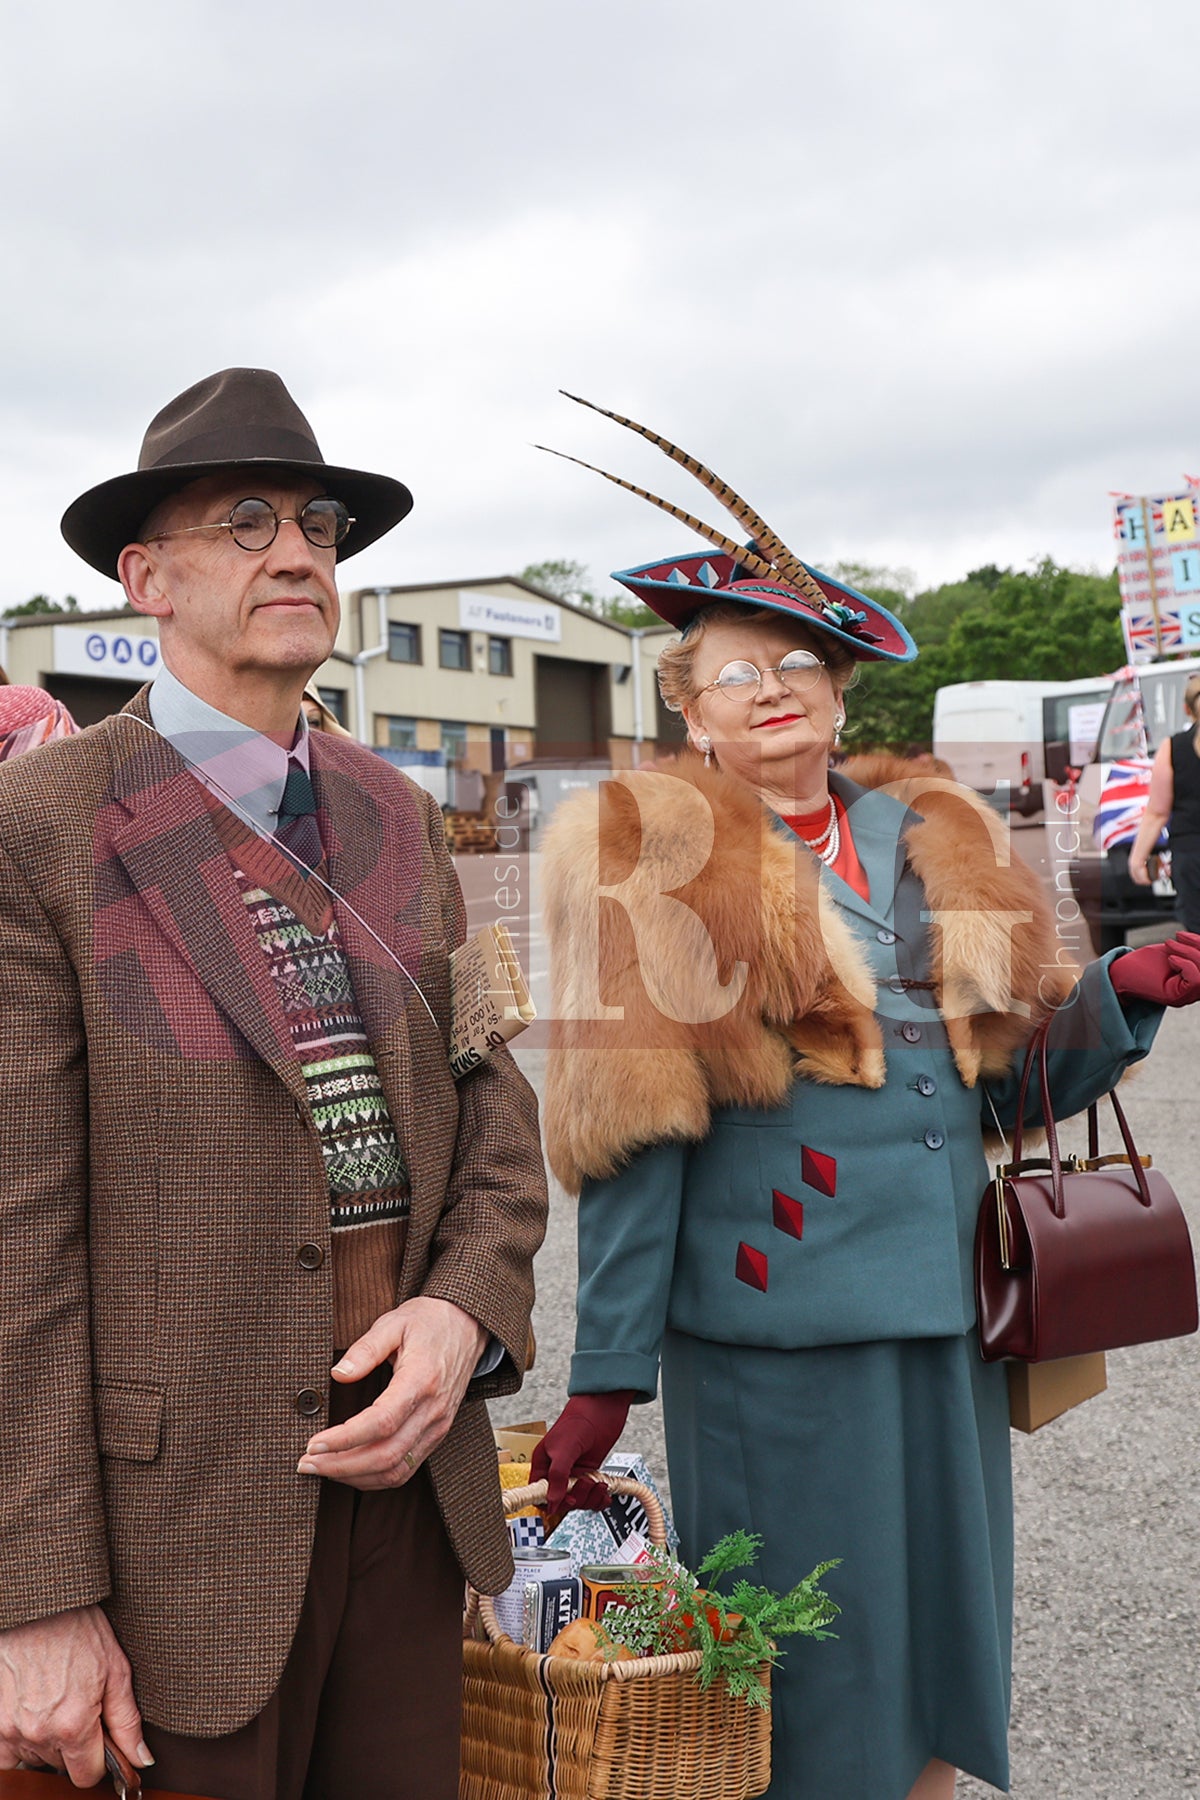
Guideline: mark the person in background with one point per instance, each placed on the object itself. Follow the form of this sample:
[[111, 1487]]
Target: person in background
[[320, 717], [264, 1260], [29, 716], [787, 1002], [1174, 801]]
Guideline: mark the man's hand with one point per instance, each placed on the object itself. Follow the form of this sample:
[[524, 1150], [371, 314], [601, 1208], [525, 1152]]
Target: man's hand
[[63, 1680], [434, 1347]]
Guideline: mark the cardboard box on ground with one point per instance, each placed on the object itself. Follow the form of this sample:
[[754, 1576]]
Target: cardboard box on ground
[[1039, 1392]]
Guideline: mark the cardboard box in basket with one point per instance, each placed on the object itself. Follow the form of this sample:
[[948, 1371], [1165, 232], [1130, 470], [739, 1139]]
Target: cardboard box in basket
[[519, 1441]]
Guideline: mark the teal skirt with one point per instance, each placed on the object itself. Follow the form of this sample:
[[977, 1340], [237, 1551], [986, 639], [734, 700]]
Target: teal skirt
[[895, 1457]]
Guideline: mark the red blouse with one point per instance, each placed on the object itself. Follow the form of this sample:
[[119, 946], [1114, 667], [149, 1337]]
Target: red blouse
[[845, 863]]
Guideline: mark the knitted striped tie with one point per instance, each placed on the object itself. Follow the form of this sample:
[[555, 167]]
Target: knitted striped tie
[[297, 829]]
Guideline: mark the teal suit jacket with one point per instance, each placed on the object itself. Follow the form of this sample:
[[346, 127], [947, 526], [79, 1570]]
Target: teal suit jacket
[[846, 1214]]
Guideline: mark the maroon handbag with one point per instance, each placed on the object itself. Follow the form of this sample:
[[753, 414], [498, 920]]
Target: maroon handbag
[[1088, 1254]]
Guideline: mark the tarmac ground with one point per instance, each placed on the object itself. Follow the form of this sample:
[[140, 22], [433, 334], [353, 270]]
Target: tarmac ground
[[1105, 1702]]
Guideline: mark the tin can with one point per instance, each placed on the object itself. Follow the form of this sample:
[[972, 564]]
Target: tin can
[[548, 1606], [608, 1584], [533, 1563]]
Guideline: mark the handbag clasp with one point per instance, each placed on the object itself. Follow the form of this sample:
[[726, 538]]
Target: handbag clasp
[[1002, 1220]]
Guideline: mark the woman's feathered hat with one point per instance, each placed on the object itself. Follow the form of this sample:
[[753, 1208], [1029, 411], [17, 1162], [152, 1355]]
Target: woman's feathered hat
[[762, 573]]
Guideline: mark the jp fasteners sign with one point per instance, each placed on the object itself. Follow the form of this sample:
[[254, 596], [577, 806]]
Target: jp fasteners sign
[[502, 617]]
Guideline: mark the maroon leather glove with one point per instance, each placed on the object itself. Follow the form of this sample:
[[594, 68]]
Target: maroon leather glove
[[1166, 973], [580, 1439]]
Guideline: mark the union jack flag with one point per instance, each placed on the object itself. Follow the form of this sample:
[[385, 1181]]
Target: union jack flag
[[1122, 801], [1138, 623], [1127, 522]]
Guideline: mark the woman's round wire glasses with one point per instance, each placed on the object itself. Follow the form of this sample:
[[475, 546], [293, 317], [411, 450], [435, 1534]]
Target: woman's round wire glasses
[[799, 670], [254, 524]]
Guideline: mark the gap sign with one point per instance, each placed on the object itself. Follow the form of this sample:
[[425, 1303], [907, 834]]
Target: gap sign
[[117, 655]]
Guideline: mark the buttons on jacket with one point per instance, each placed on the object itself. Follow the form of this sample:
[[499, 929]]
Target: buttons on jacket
[[310, 1256], [911, 1034], [926, 1085], [885, 936], [934, 1139], [895, 985], [308, 1402]]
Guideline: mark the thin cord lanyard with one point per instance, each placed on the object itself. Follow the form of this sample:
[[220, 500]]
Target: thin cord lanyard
[[999, 1127], [270, 837]]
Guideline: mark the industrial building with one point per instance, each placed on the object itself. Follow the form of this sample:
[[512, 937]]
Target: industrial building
[[452, 680]]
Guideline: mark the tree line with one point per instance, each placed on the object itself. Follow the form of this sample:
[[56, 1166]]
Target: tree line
[[1043, 623]]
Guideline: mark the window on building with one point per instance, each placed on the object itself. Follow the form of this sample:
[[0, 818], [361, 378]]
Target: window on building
[[454, 741], [404, 643], [335, 700], [454, 649], [499, 656], [401, 733]]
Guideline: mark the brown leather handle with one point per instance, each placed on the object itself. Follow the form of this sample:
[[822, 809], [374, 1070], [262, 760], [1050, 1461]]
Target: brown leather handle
[[1037, 1048], [126, 1780]]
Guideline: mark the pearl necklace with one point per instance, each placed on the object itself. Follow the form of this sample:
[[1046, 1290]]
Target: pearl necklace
[[828, 842]]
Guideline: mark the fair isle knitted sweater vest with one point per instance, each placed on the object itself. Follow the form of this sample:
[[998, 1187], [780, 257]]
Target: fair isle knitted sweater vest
[[297, 932]]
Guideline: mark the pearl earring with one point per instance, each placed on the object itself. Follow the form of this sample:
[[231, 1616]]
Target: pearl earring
[[706, 746], [839, 719]]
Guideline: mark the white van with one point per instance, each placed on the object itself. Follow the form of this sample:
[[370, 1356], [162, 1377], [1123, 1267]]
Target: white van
[[1003, 738]]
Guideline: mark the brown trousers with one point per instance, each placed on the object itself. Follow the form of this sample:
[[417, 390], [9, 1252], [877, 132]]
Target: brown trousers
[[369, 1701]]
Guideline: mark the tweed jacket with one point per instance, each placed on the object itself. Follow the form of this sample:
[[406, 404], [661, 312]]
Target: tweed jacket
[[161, 1167], [775, 1107]]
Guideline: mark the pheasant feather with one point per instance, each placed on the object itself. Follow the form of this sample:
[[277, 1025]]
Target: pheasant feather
[[787, 564], [754, 565]]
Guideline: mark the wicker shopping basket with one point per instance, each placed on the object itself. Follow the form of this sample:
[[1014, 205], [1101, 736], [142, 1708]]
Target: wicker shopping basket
[[547, 1728]]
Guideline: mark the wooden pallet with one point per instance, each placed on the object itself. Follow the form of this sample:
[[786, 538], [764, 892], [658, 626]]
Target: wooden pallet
[[469, 832]]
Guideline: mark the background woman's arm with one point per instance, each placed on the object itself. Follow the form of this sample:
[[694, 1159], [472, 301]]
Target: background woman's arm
[[1159, 803]]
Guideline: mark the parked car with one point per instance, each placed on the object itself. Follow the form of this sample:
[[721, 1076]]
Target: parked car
[[533, 789], [1107, 802]]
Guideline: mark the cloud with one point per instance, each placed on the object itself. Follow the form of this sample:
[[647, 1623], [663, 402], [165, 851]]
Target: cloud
[[917, 281]]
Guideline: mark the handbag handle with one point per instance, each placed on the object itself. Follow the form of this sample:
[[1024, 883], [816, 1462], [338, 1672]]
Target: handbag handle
[[126, 1780], [1037, 1048]]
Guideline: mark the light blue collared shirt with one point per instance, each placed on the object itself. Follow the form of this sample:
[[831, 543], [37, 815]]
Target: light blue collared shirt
[[234, 762]]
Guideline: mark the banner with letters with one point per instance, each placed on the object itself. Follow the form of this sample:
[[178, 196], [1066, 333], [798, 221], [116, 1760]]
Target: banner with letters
[[1158, 567]]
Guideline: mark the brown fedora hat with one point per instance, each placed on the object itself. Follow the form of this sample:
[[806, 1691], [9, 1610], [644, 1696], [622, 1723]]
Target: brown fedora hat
[[238, 418]]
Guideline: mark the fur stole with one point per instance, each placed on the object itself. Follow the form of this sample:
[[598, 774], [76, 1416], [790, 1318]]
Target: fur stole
[[696, 963]]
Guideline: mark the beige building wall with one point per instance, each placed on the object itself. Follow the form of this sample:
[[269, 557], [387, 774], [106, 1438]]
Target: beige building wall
[[496, 686]]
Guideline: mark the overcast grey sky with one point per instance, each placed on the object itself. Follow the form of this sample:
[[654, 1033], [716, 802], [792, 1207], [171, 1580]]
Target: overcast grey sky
[[918, 279]]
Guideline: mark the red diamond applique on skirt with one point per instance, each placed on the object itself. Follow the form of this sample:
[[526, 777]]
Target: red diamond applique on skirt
[[818, 1170], [788, 1213], [752, 1267]]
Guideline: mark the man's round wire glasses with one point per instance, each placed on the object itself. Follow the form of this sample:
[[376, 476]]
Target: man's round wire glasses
[[254, 524], [799, 670]]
